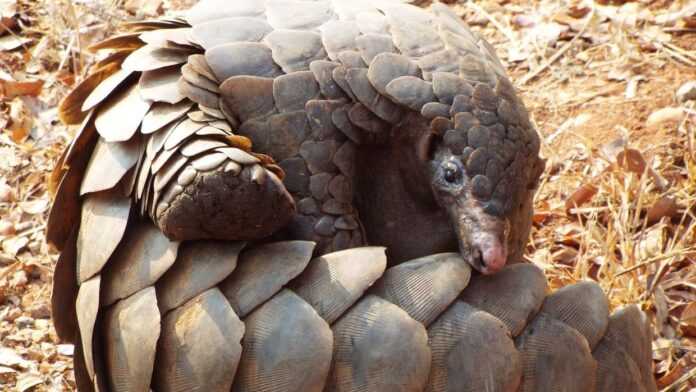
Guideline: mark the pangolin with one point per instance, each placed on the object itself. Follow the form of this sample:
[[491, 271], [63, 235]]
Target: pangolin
[[233, 163]]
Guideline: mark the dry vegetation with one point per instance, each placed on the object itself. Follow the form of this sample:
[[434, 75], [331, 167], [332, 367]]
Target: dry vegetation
[[616, 203]]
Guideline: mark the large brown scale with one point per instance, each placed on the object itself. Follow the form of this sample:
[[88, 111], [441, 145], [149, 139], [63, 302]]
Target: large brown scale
[[232, 164]]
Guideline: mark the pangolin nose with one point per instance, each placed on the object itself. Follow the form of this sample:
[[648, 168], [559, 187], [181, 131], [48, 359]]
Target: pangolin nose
[[493, 256]]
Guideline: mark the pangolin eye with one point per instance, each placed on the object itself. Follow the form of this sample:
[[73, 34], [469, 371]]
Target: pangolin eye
[[452, 173]]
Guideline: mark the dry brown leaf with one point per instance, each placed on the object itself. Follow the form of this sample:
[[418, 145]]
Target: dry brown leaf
[[565, 256], [582, 195], [688, 319], [673, 374], [690, 22], [21, 121], [569, 235], [10, 89], [632, 160], [664, 207], [578, 11]]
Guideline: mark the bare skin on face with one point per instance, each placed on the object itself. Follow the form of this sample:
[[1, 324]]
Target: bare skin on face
[[415, 198], [482, 236]]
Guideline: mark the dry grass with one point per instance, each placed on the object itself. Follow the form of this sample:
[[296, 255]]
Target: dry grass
[[589, 73]]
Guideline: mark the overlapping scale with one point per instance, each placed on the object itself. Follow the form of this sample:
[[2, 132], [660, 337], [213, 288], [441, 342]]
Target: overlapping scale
[[424, 287], [472, 351], [199, 347], [378, 347], [333, 282], [519, 292], [287, 348]]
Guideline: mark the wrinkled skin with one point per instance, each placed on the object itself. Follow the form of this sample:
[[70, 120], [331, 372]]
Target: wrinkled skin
[[482, 236]]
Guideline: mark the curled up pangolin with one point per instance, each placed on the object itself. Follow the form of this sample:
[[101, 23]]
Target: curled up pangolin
[[233, 163]]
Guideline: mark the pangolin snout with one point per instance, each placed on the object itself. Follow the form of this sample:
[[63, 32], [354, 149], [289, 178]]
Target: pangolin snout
[[492, 255]]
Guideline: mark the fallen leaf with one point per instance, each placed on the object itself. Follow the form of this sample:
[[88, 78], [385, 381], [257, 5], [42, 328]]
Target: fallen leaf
[[7, 375], [688, 319], [26, 382], [34, 207], [12, 42], [581, 196], [673, 374], [664, 207], [11, 359], [21, 121], [565, 256], [631, 160], [10, 89], [13, 245], [578, 11]]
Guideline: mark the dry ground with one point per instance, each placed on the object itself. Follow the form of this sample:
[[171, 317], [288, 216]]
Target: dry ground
[[615, 204]]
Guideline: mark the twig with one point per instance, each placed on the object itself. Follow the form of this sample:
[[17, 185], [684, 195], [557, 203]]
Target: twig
[[681, 381], [559, 53]]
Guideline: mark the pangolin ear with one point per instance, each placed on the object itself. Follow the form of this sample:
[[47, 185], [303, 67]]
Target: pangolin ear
[[431, 137], [425, 146]]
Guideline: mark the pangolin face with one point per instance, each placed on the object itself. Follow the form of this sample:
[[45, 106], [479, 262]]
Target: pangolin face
[[481, 225]]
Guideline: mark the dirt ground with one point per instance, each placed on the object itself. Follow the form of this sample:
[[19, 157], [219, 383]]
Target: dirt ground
[[600, 79]]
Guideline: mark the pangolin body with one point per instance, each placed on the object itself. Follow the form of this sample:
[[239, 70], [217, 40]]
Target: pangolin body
[[231, 166]]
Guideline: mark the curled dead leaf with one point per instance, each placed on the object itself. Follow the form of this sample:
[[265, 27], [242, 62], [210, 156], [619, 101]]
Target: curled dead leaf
[[687, 320], [664, 207], [578, 11], [21, 121], [565, 256], [581, 196], [632, 160], [673, 374]]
